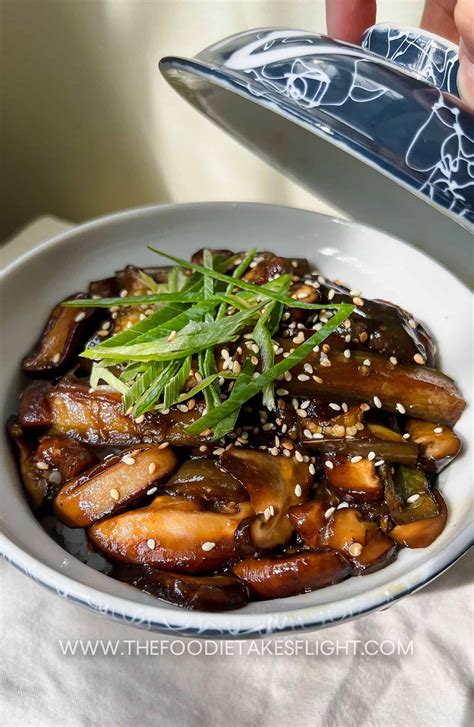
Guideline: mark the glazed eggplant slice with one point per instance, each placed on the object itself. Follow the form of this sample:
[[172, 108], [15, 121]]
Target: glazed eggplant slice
[[62, 338], [205, 479], [95, 417], [290, 575], [438, 445], [172, 534], [404, 452], [308, 519], [113, 484], [132, 282], [421, 392], [104, 288], [201, 593], [408, 495], [421, 533], [274, 485], [356, 480], [359, 541], [55, 460]]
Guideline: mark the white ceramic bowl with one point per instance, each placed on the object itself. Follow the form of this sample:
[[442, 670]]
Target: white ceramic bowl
[[378, 265]]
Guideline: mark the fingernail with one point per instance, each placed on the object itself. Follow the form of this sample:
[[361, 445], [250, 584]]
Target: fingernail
[[466, 80]]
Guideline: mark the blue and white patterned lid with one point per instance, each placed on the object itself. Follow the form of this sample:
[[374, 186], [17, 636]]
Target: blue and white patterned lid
[[389, 109]]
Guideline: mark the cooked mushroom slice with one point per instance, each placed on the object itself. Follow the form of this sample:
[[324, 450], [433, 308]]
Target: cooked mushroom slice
[[422, 392], [421, 533], [439, 445], [280, 577], [172, 533], [356, 479], [308, 519], [268, 265], [331, 420], [54, 461], [358, 540], [408, 495], [274, 485], [200, 593], [399, 452], [61, 339], [113, 484], [205, 479]]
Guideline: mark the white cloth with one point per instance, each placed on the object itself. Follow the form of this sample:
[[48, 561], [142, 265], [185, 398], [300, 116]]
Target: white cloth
[[41, 687]]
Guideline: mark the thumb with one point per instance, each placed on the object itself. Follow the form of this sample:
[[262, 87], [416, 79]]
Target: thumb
[[464, 18]]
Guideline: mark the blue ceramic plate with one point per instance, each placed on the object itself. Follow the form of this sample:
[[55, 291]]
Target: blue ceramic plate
[[390, 104]]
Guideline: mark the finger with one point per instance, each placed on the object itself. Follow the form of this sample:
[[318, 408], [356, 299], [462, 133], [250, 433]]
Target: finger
[[438, 17], [464, 18], [347, 19]]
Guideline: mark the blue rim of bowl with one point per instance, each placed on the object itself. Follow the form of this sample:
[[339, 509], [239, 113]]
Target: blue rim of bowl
[[67, 586], [229, 80]]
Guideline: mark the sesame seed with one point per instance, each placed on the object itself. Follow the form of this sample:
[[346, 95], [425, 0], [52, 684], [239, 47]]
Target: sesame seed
[[318, 379], [151, 468], [363, 337], [355, 549], [151, 543], [301, 413], [351, 431], [334, 406], [356, 459], [123, 293], [331, 294], [208, 545], [371, 456], [347, 323], [377, 402], [308, 433], [379, 462], [305, 404], [42, 466], [303, 377], [236, 367], [357, 301], [393, 360], [298, 491], [364, 407], [56, 358], [198, 377], [287, 376], [163, 445], [282, 392], [308, 368], [298, 456], [287, 445], [151, 491], [312, 469], [329, 464], [172, 336], [413, 498], [299, 338], [203, 448], [438, 430], [267, 513], [80, 316], [224, 353], [182, 408], [347, 353], [274, 451], [400, 408], [354, 292], [338, 430], [55, 477], [418, 358], [366, 362], [268, 426], [329, 512], [294, 263], [140, 419], [342, 505], [191, 404], [412, 323], [127, 459], [406, 435], [114, 494]]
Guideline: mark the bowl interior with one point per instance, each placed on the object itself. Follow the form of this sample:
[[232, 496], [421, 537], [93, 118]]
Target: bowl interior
[[375, 263]]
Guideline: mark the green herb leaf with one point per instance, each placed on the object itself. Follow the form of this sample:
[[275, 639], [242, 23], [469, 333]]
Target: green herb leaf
[[176, 383]]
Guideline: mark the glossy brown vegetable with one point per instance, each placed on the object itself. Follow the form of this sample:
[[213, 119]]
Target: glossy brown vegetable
[[202, 593], [95, 417], [359, 540], [308, 519], [408, 495], [322, 419], [422, 533], [104, 288], [280, 577], [274, 485], [55, 460], [131, 280], [438, 445], [423, 392], [62, 338], [404, 452], [113, 484], [269, 265], [357, 480], [170, 534], [205, 479]]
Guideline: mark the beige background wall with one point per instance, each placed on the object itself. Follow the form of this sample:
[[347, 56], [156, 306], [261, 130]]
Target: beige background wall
[[89, 125]]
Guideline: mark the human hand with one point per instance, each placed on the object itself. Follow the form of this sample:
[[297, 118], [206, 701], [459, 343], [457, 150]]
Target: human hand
[[452, 19]]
